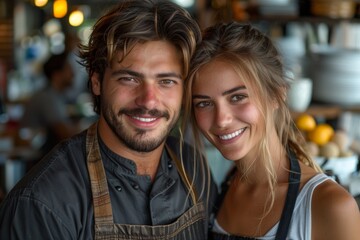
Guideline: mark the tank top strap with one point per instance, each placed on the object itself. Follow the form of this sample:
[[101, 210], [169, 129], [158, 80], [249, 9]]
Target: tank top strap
[[311, 184]]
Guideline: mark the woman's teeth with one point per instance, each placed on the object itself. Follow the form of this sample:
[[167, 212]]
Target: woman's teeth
[[231, 135]]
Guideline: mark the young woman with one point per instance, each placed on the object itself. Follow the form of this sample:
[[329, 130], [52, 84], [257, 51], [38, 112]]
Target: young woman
[[236, 97]]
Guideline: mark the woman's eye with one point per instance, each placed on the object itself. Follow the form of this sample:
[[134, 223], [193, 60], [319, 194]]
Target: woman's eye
[[237, 98], [202, 104]]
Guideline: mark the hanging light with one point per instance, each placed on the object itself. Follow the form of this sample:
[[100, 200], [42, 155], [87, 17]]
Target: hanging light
[[76, 18], [60, 8], [40, 3]]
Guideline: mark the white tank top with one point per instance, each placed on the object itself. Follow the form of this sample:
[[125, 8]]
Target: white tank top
[[300, 226]]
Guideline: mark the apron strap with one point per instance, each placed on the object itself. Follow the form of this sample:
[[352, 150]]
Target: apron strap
[[293, 190], [100, 192], [183, 174]]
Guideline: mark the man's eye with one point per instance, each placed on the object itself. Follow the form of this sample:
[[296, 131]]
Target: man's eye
[[127, 79], [202, 104], [167, 82]]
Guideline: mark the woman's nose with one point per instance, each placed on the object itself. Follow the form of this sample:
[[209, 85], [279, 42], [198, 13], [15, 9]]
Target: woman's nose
[[223, 116], [147, 96]]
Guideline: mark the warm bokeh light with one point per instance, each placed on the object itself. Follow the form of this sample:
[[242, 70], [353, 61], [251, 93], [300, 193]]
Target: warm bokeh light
[[76, 18], [60, 8], [40, 3]]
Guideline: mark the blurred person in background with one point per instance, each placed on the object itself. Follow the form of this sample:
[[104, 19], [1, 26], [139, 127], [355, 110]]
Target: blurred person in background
[[125, 177], [79, 85], [47, 109]]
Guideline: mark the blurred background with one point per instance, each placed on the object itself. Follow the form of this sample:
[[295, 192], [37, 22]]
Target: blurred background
[[319, 40]]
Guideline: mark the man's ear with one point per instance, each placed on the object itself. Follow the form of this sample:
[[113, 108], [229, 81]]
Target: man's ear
[[95, 84]]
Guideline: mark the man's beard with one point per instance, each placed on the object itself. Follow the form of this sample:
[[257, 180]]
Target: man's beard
[[136, 142]]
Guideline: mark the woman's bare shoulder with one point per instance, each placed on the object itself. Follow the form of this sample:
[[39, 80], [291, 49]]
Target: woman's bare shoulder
[[335, 213]]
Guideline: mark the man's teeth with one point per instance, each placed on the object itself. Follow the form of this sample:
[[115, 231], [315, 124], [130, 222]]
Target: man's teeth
[[231, 135], [144, 119]]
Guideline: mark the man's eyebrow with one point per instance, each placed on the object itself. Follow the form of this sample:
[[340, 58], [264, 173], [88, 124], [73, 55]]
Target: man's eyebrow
[[233, 90], [140, 75], [168, 74], [127, 72]]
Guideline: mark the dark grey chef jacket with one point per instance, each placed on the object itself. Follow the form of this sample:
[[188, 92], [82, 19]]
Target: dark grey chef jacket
[[53, 201]]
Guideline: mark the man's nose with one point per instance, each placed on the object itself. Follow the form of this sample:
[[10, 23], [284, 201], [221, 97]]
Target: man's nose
[[148, 96]]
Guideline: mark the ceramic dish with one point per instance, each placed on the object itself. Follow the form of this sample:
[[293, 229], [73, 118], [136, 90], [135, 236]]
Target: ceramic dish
[[343, 167]]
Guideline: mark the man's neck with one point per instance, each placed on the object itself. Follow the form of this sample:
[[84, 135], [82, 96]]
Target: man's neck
[[146, 162]]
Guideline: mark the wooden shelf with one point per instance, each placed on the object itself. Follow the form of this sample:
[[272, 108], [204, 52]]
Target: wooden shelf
[[321, 111], [305, 19], [326, 111]]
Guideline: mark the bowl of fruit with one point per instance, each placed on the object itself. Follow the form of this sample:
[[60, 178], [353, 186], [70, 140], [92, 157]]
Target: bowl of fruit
[[329, 147]]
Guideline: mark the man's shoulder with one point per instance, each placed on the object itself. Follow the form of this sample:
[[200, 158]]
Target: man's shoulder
[[55, 192], [184, 147], [185, 152], [175, 143], [196, 167], [57, 172]]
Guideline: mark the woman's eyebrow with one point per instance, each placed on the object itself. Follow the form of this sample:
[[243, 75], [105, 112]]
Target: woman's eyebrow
[[223, 94], [233, 90], [200, 96]]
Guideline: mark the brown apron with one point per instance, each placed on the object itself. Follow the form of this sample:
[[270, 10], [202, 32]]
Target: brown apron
[[190, 225]]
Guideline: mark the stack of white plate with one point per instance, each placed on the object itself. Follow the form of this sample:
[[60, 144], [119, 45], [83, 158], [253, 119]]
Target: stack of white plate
[[336, 75]]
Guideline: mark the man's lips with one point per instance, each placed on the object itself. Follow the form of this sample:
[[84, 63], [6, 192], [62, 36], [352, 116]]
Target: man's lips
[[232, 135]]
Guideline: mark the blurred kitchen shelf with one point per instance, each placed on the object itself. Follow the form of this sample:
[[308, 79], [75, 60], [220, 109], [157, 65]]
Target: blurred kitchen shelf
[[326, 111], [306, 19]]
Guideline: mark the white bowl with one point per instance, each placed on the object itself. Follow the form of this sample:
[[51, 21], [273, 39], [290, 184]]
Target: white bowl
[[342, 167]]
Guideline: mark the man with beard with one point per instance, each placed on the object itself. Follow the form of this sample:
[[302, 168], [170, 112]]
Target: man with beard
[[125, 177]]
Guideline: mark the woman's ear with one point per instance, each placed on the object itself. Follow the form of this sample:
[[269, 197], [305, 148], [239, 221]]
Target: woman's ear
[[284, 93], [283, 96], [95, 84]]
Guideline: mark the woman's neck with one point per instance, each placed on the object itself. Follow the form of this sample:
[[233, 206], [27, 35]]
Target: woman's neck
[[254, 168]]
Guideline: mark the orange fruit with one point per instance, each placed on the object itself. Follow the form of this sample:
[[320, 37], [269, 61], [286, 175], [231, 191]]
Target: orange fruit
[[305, 122], [322, 134]]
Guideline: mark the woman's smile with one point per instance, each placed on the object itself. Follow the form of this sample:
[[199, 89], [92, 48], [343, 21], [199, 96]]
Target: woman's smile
[[232, 135]]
